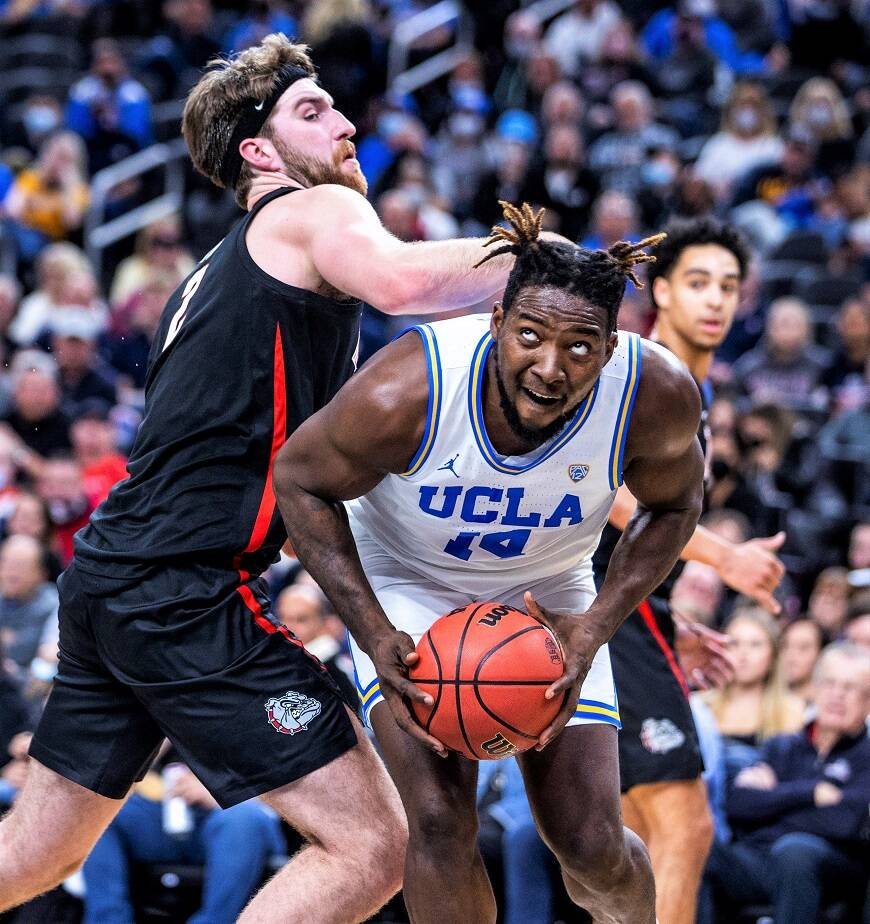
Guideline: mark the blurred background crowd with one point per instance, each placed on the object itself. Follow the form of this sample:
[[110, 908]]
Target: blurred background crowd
[[615, 116]]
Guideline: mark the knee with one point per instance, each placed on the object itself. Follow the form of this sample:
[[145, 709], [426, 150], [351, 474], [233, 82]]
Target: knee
[[797, 853], [380, 851], [438, 828], [695, 834], [594, 851]]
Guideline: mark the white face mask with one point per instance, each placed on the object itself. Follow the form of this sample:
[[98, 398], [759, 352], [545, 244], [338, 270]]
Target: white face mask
[[820, 115], [465, 125], [746, 118]]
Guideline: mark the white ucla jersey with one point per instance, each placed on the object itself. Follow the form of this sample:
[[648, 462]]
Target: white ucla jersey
[[476, 521]]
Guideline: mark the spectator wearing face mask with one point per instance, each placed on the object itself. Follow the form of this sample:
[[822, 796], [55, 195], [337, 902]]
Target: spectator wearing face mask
[[746, 139], [819, 105], [617, 156], [522, 36], [42, 116], [47, 202], [564, 184]]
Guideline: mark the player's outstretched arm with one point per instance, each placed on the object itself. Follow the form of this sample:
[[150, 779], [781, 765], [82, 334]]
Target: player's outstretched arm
[[750, 567], [371, 427], [354, 253], [664, 469]]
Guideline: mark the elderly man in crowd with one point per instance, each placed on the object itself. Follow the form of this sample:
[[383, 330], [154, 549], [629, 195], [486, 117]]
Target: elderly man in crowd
[[798, 814]]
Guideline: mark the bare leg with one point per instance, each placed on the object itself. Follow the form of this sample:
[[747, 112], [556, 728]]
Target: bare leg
[[573, 788], [445, 879], [351, 814], [49, 832], [678, 830]]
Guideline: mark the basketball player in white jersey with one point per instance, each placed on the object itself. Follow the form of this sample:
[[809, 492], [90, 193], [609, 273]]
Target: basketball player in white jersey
[[482, 455]]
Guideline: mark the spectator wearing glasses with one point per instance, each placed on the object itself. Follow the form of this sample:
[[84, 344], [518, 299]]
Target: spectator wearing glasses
[[797, 813]]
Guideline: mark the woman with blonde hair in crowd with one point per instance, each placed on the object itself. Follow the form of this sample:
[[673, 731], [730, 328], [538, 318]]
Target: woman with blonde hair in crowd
[[160, 251], [756, 704], [820, 106], [746, 139]]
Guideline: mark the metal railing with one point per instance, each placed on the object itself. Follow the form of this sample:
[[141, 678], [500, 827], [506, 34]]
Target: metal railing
[[100, 233], [404, 79], [546, 9]]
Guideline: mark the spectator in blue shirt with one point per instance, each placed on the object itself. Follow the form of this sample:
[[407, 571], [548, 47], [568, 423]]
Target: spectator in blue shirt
[[798, 814], [108, 108], [660, 36]]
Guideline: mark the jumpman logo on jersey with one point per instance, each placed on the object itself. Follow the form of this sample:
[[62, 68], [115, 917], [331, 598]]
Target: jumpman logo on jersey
[[448, 465]]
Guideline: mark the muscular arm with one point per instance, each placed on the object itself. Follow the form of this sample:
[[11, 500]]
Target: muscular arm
[[372, 427], [749, 567], [354, 253], [664, 472]]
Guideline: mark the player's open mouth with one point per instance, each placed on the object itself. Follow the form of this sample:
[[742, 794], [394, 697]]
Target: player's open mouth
[[543, 400]]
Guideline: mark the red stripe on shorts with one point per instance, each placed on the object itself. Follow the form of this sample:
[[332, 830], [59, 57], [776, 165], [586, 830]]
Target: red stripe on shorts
[[649, 619]]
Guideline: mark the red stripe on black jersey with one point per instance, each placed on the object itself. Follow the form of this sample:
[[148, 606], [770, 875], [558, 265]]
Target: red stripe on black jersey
[[279, 435]]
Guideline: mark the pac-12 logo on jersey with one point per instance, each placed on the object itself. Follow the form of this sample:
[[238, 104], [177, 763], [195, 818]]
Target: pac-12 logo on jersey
[[578, 472], [291, 712]]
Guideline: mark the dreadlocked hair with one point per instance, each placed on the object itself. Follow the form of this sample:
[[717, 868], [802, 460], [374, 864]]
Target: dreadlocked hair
[[596, 276]]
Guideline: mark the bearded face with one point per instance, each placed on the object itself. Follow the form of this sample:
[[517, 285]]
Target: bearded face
[[309, 171]]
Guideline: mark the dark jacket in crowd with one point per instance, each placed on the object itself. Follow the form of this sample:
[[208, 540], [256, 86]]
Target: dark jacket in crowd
[[762, 816]]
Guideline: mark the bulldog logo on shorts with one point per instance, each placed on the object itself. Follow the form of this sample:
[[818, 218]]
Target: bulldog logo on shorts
[[659, 736], [291, 712]]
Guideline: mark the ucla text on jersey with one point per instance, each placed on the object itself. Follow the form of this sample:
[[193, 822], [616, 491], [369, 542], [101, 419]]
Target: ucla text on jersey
[[466, 516]]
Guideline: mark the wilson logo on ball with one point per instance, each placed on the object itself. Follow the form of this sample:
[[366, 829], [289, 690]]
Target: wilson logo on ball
[[499, 746], [493, 616]]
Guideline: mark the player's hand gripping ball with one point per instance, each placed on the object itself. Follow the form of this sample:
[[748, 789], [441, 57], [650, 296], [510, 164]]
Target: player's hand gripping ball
[[487, 667]]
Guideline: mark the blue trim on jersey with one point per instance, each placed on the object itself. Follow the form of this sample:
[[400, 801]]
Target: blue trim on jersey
[[478, 427], [433, 410], [623, 419]]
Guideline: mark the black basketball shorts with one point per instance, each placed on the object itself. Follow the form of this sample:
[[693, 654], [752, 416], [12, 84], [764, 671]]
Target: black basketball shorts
[[192, 654], [658, 741]]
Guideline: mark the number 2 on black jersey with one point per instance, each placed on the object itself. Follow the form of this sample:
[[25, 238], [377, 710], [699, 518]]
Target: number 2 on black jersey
[[187, 295]]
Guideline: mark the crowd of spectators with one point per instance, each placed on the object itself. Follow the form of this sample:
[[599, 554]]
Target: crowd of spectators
[[615, 116]]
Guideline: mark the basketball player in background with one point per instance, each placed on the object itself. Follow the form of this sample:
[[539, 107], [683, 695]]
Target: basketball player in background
[[482, 455], [165, 625], [694, 286]]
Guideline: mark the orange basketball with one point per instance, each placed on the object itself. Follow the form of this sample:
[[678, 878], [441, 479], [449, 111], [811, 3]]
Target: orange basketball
[[487, 667]]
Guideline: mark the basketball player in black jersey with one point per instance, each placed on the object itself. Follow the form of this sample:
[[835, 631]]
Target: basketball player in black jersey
[[165, 626], [694, 286]]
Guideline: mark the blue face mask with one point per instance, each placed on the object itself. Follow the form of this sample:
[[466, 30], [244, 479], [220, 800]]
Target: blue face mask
[[40, 120], [658, 173], [390, 123]]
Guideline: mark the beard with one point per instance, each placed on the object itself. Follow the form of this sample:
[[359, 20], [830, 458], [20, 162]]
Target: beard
[[534, 435], [308, 171]]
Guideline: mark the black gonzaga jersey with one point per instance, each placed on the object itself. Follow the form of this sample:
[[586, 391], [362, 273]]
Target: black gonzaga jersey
[[611, 534], [238, 362]]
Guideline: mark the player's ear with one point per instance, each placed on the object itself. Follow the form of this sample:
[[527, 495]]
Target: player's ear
[[496, 320], [260, 153], [612, 340]]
